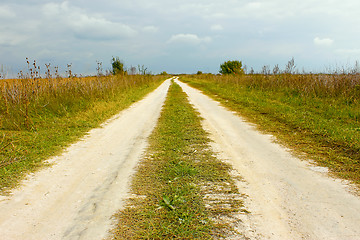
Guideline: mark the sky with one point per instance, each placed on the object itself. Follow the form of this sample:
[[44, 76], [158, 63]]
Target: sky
[[179, 36]]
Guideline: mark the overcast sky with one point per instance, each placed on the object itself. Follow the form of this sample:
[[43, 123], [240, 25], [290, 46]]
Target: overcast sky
[[179, 36]]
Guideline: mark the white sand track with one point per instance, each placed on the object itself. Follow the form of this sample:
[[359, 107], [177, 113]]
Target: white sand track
[[289, 198], [76, 197]]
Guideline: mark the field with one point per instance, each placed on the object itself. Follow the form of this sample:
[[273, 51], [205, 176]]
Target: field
[[314, 114]]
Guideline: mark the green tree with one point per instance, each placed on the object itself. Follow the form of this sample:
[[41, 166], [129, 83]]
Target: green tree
[[232, 67], [117, 66]]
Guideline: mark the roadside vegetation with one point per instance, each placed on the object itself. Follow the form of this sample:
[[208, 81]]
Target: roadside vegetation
[[180, 190], [39, 116], [232, 67], [315, 114]]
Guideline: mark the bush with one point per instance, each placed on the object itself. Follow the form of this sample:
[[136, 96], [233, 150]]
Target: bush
[[117, 66], [232, 67]]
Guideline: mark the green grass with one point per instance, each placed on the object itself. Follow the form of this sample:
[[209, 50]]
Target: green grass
[[59, 119], [320, 121], [171, 183]]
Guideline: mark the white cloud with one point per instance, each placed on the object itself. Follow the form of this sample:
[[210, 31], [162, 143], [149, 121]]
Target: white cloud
[[216, 27], [84, 25], [55, 9], [98, 28], [11, 39], [150, 29], [188, 39], [6, 12], [349, 52], [254, 5], [327, 42]]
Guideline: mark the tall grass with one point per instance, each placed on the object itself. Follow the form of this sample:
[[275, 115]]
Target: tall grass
[[22, 100], [39, 116], [346, 86]]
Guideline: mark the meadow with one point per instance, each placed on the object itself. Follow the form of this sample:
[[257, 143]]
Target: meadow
[[317, 115], [39, 116]]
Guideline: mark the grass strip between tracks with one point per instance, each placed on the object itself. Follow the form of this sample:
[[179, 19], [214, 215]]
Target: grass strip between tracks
[[325, 128], [23, 151], [180, 190]]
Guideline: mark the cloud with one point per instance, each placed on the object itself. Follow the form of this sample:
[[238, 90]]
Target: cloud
[[327, 42], [6, 12], [84, 25], [11, 39], [349, 52], [216, 27], [260, 32], [55, 9], [191, 39], [150, 29]]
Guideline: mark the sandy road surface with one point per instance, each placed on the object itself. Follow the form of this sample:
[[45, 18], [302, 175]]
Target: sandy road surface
[[75, 198], [288, 198]]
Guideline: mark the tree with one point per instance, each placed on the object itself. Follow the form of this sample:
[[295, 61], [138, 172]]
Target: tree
[[117, 66], [232, 67]]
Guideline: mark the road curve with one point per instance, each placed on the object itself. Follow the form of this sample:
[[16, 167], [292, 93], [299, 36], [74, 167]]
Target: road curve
[[75, 198], [288, 198]]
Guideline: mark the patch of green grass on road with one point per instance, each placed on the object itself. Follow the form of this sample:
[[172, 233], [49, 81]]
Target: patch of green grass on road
[[180, 190]]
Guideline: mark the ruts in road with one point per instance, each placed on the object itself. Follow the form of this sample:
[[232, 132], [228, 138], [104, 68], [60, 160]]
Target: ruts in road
[[288, 198]]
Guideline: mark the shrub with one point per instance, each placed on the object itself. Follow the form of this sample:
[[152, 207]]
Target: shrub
[[231, 67], [117, 66]]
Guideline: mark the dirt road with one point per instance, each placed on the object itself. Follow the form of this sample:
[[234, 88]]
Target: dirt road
[[288, 198], [75, 198]]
